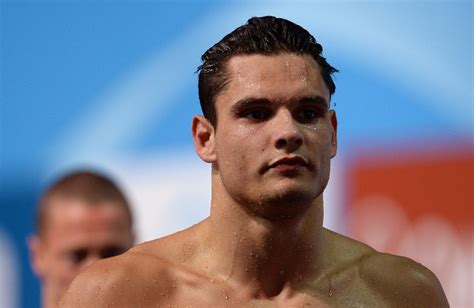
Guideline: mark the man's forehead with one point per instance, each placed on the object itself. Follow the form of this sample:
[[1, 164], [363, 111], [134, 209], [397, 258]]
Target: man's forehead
[[62, 208], [258, 65], [73, 218], [266, 74]]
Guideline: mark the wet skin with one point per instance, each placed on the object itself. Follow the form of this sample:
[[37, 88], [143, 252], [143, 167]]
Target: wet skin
[[275, 135], [263, 243]]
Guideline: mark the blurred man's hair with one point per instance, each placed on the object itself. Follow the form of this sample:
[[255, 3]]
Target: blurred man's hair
[[88, 186], [260, 35]]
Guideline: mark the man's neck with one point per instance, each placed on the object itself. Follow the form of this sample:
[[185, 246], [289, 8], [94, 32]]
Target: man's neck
[[269, 256], [48, 298]]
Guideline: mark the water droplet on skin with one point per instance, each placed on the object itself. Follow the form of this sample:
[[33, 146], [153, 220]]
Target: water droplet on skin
[[331, 292]]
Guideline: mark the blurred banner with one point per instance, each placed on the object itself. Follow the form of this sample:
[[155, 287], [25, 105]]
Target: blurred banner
[[418, 204]]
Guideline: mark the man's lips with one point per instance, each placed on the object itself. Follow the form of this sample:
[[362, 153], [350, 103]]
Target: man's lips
[[288, 163]]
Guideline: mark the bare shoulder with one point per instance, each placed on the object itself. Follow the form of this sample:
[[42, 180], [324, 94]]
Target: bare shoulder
[[400, 281], [123, 281], [404, 280]]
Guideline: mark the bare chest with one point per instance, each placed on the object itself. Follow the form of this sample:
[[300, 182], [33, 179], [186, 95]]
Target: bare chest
[[208, 294]]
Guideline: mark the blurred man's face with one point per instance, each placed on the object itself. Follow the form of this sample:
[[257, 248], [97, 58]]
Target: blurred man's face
[[75, 235]]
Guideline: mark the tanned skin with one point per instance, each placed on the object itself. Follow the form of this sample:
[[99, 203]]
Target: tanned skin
[[263, 244]]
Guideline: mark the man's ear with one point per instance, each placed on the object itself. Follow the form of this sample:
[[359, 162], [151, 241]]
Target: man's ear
[[204, 139], [35, 247], [333, 133]]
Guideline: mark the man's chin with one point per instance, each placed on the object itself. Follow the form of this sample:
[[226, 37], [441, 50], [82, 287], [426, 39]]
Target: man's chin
[[285, 204], [290, 197]]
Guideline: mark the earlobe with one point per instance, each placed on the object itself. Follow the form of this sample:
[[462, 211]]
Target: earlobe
[[204, 139], [333, 133]]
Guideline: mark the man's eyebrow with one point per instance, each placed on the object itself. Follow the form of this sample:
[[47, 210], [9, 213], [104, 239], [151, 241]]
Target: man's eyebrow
[[254, 101], [249, 102], [316, 100]]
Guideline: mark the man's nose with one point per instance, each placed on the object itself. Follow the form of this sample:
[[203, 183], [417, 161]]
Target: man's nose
[[288, 135]]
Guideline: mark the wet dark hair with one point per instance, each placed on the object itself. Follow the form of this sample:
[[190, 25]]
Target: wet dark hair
[[86, 185], [266, 35]]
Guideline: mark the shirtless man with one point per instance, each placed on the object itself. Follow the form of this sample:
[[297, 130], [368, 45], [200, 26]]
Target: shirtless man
[[81, 218], [269, 134]]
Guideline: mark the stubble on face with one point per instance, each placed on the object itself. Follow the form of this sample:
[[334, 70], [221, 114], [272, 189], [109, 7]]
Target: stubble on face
[[277, 87]]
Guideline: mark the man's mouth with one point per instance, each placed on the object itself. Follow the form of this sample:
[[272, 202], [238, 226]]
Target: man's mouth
[[289, 164]]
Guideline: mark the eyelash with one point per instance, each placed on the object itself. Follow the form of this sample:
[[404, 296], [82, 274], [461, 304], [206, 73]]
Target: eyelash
[[316, 114], [266, 114], [249, 114]]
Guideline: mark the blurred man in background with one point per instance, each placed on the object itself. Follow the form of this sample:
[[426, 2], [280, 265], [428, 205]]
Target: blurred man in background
[[81, 218], [269, 134]]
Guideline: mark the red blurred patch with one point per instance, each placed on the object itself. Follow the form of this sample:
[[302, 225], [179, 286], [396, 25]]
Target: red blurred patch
[[418, 205]]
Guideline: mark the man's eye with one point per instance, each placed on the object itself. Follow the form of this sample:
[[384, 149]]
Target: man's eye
[[256, 114], [77, 256], [111, 252], [306, 115]]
